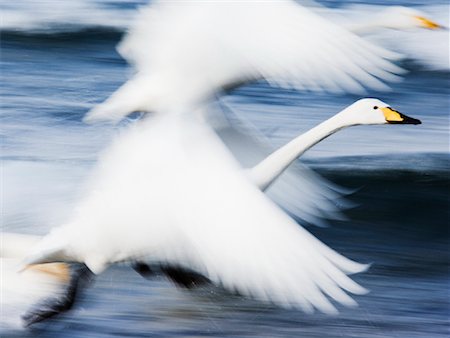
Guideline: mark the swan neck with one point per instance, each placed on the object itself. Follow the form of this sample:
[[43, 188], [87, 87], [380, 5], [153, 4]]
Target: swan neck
[[271, 167]]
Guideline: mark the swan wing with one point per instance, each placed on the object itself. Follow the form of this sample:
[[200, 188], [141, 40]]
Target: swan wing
[[186, 202], [184, 52], [308, 196], [248, 245], [235, 236]]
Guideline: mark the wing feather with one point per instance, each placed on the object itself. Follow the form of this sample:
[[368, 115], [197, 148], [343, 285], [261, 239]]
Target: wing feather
[[187, 51], [245, 243]]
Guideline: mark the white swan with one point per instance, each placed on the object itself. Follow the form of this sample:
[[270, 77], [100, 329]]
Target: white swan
[[186, 52], [408, 31], [169, 192], [366, 19]]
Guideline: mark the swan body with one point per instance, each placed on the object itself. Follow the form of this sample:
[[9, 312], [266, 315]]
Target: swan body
[[168, 192], [185, 53]]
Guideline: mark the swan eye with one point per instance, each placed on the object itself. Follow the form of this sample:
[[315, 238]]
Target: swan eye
[[375, 107]]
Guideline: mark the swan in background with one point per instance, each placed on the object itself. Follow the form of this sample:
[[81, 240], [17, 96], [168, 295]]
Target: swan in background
[[419, 35], [283, 42], [208, 217], [185, 53], [391, 17]]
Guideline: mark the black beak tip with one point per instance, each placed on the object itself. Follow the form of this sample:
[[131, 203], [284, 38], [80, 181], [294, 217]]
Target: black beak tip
[[411, 120]]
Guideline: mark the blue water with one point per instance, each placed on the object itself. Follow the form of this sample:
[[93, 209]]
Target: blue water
[[58, 59]]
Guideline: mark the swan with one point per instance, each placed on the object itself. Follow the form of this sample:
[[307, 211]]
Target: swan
[[395, 17], [186, 53], [408, 31], [392, 17], [168, 192]]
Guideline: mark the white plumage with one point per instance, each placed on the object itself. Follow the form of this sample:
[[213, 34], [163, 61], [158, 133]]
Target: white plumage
[[185, 52]]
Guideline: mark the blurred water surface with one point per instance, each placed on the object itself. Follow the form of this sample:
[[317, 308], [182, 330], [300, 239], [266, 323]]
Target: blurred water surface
[[58, 59]]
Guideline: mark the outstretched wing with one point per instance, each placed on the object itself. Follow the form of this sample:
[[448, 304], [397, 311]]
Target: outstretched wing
[[248, 245], [184, 52], [236, 237], [186, 203]]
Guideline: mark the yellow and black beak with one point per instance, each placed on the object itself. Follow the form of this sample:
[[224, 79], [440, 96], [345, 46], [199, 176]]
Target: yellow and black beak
[[426, 23], [394, 117]]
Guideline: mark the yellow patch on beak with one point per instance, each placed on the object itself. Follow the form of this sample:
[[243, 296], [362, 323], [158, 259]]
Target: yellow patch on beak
[[391, 115], [394, 117], [424, 22]]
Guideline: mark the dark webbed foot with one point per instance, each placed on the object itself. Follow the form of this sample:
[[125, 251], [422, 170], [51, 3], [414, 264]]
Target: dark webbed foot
[[143, 269], [180, 276], [80, 277]]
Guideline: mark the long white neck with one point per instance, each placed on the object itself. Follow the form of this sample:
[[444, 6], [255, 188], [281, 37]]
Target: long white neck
[[264, 173]]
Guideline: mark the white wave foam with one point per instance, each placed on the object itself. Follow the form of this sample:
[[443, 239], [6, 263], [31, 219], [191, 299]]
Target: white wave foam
[[57, 15]]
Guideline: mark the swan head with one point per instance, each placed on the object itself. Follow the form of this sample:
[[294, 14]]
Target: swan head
[[400, 17], [374, 111]]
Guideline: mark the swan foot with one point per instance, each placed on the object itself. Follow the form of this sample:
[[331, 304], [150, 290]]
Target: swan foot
[[80, 277], [143, 269], [181, 277], [185, 278]]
